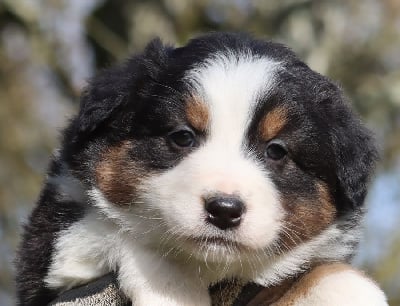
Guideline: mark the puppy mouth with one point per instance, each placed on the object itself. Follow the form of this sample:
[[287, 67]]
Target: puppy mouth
[[217, 241]]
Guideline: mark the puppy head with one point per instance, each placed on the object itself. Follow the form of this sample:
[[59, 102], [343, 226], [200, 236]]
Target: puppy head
[[227, 146]]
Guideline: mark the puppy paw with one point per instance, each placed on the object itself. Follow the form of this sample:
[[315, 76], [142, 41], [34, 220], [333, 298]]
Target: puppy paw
[[334, 285]]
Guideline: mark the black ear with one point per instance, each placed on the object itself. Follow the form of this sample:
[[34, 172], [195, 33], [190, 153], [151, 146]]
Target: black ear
[[355, 157], [114, 88]]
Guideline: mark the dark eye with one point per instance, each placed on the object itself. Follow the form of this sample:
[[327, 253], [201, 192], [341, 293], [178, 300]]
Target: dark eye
[[276, 151], [183, 138]]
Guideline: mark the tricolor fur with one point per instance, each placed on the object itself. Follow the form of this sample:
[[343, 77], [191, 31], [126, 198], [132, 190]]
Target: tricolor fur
[[161, 141]]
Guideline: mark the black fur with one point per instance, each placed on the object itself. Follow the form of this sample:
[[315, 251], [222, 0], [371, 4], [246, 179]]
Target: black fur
[[48, 218]]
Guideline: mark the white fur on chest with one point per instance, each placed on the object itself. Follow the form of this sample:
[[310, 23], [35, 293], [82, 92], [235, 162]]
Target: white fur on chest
[[93, 247]]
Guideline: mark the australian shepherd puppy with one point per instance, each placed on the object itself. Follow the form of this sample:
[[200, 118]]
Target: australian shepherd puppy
[[228, 158]]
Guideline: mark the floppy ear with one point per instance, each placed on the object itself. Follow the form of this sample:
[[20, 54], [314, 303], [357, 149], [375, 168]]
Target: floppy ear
[[355, 156], [113, 88]]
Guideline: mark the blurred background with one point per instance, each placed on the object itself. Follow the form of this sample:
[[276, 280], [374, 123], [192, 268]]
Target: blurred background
[[49, 48]]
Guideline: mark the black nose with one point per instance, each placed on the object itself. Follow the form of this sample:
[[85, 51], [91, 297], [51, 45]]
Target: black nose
[[224, 212]]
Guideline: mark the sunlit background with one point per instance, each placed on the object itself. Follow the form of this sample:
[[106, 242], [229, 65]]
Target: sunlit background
[[49, 48]]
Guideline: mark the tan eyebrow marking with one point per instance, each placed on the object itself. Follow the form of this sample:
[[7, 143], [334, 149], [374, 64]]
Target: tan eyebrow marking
[[197, 113], [272, 123]]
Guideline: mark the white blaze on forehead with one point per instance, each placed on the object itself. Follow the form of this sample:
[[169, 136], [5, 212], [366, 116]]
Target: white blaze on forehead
[[230, 84]]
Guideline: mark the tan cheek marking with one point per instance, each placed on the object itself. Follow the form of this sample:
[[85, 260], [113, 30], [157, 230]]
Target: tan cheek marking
[[306, 218], [272, 123], [197, 113], [118, 176]]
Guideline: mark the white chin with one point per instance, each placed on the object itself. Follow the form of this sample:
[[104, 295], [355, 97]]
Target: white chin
[[213, 250]]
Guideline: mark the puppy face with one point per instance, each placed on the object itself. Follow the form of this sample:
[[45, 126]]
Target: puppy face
[[222, 149]]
